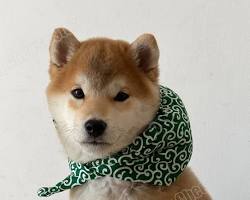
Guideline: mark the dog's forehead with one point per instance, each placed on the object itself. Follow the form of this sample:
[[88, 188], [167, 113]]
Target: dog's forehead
[[101, 60]]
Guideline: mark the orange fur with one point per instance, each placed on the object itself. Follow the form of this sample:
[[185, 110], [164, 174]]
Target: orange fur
[[102, 59]]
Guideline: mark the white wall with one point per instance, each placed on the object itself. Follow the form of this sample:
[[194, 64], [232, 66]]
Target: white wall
[[205, 57]]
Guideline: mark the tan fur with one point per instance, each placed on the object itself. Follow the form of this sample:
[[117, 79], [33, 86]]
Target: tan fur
[[102, 67], [102, 59]]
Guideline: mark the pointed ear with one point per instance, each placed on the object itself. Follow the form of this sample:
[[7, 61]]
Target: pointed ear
[[146, 54], [63, 45]]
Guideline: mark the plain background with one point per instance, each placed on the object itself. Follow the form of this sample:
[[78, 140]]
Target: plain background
[[205, 58]]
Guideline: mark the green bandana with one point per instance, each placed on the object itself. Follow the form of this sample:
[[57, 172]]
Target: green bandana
[[157, 156]]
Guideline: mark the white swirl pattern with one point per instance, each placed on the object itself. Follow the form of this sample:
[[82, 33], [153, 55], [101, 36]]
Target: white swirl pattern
[[157, 156]]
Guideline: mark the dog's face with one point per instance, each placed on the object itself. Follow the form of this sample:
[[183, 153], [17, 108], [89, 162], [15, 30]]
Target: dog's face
[[102, 92]]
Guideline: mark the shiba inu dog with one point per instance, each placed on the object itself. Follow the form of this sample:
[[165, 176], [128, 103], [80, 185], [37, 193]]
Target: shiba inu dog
[[102, 94]]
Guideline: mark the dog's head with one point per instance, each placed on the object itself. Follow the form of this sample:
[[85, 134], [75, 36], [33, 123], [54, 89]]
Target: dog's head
[[102, 92]]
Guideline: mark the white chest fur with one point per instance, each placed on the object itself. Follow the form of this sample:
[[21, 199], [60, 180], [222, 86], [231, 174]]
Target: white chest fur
[[107, 188]]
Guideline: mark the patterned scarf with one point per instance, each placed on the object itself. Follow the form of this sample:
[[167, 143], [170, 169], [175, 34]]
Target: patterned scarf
[[157, 156]]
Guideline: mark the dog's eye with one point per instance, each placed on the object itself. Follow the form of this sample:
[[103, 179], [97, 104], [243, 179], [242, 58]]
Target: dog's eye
[[78, 93], [121, 96]]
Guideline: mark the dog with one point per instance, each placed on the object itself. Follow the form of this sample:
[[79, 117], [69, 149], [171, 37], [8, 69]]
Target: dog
[[102, 93]]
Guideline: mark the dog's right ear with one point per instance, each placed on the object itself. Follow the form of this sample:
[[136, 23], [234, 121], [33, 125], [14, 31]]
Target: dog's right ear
[[63, 45]]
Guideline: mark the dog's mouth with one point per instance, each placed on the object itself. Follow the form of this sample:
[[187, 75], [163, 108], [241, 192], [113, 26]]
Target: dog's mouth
[[95, 142]]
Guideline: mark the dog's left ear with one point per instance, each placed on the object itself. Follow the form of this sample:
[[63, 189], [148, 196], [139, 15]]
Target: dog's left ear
[[146, 54]]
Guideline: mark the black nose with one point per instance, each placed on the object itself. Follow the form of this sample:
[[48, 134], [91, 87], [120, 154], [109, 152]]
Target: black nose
[[95, 127]]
